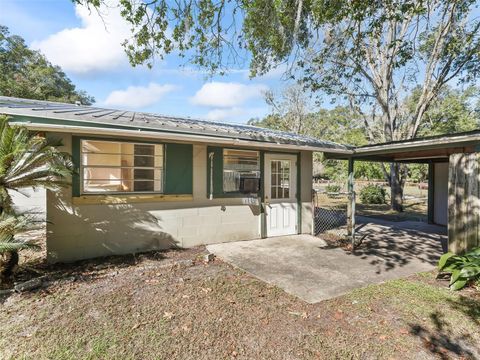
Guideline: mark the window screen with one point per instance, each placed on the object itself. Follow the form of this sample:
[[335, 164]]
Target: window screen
[[110, 166], [241, 169]]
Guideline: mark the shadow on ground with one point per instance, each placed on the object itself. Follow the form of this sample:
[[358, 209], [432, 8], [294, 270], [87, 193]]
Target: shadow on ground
[[397, 244], [442, 340]]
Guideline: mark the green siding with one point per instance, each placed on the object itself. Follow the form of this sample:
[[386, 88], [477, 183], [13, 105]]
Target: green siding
[[217, 171], [178, 169]]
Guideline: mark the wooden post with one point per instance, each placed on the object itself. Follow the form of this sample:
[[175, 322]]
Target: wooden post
[[351, 201], [463, 202]]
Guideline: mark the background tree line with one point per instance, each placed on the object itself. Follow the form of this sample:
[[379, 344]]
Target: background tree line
[[26, 73], [295, 110]]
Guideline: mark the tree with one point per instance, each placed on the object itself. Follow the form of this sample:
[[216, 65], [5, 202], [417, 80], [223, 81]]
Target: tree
[[370, 54], [293, 110], [27, 160], [452, 111], [26, 73]]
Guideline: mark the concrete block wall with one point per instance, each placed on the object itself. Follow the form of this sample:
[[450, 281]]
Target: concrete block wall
[[90, 230]]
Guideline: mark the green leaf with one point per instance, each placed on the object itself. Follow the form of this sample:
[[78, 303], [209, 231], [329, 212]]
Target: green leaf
[[455, 276], [444, 259], [470, 271], [474, 252], [459, 284]]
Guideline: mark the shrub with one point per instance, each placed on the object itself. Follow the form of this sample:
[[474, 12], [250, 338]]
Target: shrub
[[373, 194], [463, 268], [332, 188]]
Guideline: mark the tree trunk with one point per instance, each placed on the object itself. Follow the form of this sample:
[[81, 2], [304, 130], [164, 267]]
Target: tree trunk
[[397, 182], [8, 264]]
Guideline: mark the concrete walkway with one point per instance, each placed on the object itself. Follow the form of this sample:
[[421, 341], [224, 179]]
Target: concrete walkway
[[306, 267]]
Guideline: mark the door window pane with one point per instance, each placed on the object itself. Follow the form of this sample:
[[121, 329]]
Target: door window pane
[[280, 186]]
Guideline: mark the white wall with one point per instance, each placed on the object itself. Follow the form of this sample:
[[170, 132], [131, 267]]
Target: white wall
[[440, 194], [29, 201]]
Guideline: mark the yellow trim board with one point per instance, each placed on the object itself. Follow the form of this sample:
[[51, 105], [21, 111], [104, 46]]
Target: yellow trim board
[[127, 199]]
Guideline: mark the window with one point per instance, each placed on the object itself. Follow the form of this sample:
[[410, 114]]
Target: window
[[241, 171], [110, 166], [280, 187]]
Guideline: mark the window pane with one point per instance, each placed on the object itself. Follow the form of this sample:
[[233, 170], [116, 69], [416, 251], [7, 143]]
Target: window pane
[[104, 147], [280, 186], [144, 161], [144, 150], [241, 171], [143, 186], [103, 185], [143, 174], [110, 166]]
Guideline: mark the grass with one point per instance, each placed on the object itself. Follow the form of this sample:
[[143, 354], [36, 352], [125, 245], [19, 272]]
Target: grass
[[147, 309], [415, 206]]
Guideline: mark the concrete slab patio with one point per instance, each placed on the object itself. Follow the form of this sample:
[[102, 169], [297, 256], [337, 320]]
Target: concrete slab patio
[[306, 267]]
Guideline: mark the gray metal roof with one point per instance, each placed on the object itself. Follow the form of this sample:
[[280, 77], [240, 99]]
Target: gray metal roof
[[96, 116]]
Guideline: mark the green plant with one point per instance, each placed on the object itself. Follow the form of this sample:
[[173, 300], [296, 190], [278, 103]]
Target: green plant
[[10, 244], [373, 194], [332, 188], [463, 268], [26, 160]]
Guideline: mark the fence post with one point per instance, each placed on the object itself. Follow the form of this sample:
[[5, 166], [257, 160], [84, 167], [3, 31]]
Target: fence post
[[351, 202]]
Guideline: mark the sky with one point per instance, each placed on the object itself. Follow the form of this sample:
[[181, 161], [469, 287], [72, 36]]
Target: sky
[[89, 50]]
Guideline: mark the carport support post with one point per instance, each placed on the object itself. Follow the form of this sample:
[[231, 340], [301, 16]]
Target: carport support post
[[351, 202]]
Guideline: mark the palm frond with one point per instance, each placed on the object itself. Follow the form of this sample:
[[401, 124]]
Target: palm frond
[[17, 246], [10, 226], [28, 160]]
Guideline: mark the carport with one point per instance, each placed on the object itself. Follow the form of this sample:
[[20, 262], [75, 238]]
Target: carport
[[454, 189]]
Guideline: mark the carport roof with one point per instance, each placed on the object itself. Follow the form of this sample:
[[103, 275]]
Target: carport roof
[[422, 150], [36, 113]]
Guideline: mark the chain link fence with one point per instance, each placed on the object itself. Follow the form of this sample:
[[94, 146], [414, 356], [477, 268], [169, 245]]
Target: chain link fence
[[331, 214]]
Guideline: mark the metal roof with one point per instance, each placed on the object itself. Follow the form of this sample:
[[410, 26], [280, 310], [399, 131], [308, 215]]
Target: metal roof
[[426, 149], [98, 117]]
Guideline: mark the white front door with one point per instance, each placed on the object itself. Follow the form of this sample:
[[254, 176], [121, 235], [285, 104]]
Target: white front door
[[281, 194]]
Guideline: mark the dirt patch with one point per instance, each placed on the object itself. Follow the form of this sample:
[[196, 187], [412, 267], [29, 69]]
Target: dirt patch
[[172, 305]]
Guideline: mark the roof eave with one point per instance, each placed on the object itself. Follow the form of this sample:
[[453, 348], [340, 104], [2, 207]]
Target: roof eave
[[140, 133]]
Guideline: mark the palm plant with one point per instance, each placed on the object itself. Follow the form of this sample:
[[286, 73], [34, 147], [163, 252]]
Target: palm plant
[[10, 245], [27, 160]]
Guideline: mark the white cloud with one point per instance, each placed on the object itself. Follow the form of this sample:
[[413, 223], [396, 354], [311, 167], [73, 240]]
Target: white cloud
[[224, 114], [226, 94], [138, 96], [235, 114], [95, 46]]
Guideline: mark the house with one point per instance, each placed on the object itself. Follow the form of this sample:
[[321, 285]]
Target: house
[[146, 181]]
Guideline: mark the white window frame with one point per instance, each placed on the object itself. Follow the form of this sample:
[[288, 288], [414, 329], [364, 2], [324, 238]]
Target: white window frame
[[82, 167]]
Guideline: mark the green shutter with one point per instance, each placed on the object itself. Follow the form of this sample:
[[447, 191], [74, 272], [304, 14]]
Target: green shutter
[[217, 170], [178, 169]]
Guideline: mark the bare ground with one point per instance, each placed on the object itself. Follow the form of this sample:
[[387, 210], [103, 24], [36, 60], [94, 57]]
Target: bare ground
[[172, 305]]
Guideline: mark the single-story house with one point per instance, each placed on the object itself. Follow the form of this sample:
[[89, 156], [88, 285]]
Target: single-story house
[[146, 181]]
